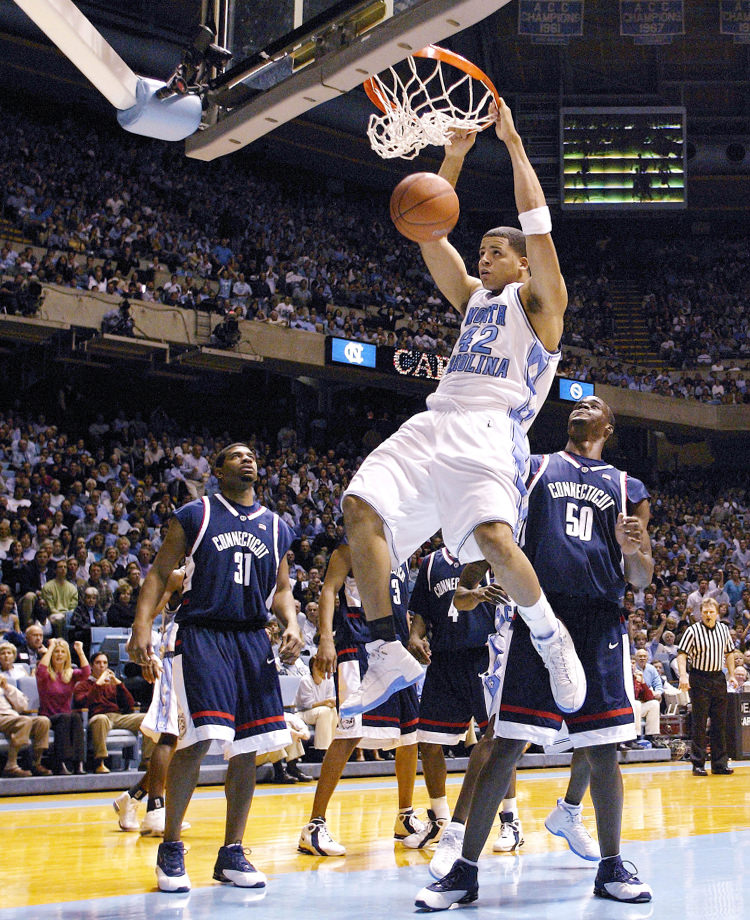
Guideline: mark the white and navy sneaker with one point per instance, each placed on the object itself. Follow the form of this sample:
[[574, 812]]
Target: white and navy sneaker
[[315, 839], [409, 830], [448, 850], [127, 811], [231, 866], [459, 886], [390, 668], [566, 677], [432, 830], [565, 821], [170, 867], [510, 837], [616, 882]]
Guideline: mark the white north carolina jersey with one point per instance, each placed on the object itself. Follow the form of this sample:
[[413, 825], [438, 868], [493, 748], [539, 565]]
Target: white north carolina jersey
[[498, 361]]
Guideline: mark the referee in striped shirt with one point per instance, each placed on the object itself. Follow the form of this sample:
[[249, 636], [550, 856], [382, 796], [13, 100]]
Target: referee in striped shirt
[[708, 646]]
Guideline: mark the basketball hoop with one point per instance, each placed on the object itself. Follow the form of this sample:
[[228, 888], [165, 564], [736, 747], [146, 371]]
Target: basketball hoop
[[423, 108]]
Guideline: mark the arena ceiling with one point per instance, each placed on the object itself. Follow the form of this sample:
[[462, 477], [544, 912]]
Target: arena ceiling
[[702, 70]]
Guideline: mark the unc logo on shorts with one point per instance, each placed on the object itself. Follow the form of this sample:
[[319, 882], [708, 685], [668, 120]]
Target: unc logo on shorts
[[345, 724], [181, 725], [353, 353]]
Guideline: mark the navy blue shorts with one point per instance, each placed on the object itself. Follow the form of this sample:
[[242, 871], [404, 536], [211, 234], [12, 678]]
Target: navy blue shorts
[[452, 695], [227, 687], [524, 706], [392, 724]]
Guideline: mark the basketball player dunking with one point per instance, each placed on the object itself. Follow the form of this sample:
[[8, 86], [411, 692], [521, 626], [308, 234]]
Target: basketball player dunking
[[461, 465], [586, 535]]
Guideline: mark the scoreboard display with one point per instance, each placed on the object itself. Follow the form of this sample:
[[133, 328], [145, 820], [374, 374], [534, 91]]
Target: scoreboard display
[[623, 158]]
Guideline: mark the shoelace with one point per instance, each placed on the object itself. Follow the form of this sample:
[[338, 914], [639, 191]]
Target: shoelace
[[557, 663], [240, 853], [621, 874], [323, 833], [412, 823], [455, 875], [172, 858], [449, 840]]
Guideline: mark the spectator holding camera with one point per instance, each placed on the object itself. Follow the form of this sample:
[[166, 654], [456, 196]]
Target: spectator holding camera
[[119, 321]]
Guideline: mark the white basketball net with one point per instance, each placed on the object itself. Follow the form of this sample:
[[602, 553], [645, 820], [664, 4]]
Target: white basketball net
[[419, 110]]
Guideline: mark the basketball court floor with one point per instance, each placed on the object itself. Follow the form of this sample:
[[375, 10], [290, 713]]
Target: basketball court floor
[[64, 857]]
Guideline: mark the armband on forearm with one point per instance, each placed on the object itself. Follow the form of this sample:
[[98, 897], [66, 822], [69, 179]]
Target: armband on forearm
[[536, 222]]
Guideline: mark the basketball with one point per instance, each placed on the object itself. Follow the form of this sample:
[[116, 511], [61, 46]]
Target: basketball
[[424, 207]]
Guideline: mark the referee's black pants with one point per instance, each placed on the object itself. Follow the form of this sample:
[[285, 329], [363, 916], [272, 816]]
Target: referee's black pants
[[708, 695]]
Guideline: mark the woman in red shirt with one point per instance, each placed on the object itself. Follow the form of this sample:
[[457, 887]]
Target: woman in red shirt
[[55, 678]]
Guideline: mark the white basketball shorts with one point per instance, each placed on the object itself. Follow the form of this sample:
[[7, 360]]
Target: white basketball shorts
[[163, 713], [446, 469]]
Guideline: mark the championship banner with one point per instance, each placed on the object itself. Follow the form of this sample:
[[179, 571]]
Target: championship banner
[[550, 22], [734, 20], [652, 22]]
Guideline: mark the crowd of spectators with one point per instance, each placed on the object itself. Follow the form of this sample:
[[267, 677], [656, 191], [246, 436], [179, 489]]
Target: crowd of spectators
[[82, 517], [696, 304], [717, 386], [151, 225]]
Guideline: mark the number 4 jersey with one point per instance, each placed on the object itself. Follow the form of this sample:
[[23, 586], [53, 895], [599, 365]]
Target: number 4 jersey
[[573, 506], [233, 557]]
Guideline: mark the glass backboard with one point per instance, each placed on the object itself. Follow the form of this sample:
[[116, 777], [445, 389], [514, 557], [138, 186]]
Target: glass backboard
[[291, 55]]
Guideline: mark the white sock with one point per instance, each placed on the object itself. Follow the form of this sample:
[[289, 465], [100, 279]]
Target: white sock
[[510, 805], [440, 807], [573, 809], [456, 827], [540, 618]]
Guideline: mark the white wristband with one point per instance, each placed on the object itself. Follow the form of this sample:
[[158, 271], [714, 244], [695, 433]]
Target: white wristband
[[536, 221]]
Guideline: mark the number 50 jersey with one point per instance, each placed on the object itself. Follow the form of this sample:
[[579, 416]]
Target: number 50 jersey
[[573, 506], [233, 557]]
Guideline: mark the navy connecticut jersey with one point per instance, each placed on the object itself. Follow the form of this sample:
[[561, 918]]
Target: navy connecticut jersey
[[432, 599], [233, 557], [570, 530], [349, 622]]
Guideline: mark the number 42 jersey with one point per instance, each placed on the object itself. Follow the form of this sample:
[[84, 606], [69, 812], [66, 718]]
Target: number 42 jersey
[[573, 507]]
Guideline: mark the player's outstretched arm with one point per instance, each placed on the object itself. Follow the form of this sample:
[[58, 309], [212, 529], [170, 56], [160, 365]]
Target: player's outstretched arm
[[442, 259], [285, 611], [419, 644], [339, 566], [167, 559], [631, 532], [544, 296], [470, 594]]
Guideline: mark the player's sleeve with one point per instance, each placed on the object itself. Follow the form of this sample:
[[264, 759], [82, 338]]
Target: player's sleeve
[[190, 517], [286, 538], [637, 491], [419, 600], [535, 461]]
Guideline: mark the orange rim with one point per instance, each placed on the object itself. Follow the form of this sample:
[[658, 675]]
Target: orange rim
[[436, 53]]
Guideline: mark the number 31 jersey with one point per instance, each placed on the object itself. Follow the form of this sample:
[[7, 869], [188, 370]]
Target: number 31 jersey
[[573, 506], [233, 557]]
